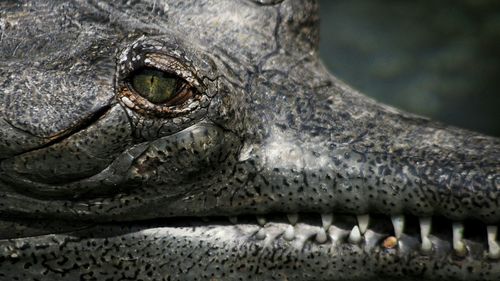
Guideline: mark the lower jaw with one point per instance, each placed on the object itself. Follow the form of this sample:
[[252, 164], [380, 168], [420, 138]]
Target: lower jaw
[[250, 249]]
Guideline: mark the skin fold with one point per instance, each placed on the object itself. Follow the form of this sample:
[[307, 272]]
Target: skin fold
[[268, 168]]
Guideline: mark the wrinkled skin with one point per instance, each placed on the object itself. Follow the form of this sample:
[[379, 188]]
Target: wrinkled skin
[[95, 187]]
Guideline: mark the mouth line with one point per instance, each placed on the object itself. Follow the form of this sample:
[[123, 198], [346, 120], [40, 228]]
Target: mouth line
[[403, 235]]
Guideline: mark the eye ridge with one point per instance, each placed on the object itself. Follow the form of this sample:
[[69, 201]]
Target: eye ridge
[[160, 87]]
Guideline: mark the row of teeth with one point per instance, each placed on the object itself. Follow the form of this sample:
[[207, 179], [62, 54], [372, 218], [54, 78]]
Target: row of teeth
[[398, 223]]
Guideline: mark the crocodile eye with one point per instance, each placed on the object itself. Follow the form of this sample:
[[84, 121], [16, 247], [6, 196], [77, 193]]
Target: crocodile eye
[[160, 87], [156, 84]]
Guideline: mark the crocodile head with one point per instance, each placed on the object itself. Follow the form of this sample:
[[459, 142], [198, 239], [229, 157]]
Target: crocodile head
[[205, 140]]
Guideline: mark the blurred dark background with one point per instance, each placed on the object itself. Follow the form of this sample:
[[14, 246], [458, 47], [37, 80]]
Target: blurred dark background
[[439, 59]]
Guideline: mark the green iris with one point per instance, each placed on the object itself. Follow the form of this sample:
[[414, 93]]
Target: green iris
[[154, 85]]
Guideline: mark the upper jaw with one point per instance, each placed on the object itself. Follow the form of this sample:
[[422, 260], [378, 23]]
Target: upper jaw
[[350, 155]]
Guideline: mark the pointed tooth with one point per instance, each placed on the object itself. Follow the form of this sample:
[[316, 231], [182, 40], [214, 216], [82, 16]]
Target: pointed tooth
[[327, 220], [355, 235], [363, 222], [493, 247], [233, 220], [425, 226], [293, 218], [425, 230], [458, 244], [289, 234], [261, 234], [321, 236], [261, 220], [426, 245], [398, 222]]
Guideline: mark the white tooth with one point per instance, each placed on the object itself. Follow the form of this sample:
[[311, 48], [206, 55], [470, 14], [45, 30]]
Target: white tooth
[[425, 230], [233, 220], [327, 220], [493, 247], [293, 218], [426, 245], [261, 234], [289, 234], [321, 236], [398, 222], [355, 235], [458, 244], [261, 220], [363, 221]]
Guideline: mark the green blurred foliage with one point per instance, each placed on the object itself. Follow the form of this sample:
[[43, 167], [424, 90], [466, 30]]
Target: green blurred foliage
[[440, 59]]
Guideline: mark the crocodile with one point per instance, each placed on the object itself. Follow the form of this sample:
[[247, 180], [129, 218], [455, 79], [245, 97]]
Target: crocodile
[[205, 140]]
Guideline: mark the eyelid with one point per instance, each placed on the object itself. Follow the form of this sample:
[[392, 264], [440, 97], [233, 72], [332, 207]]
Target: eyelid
[[171, 65]]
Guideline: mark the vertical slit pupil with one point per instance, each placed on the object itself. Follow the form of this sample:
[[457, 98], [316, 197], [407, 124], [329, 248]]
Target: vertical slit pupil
[[154, 85]]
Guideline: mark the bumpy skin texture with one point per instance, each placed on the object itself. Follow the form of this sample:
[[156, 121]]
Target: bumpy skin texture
[[95, 188]]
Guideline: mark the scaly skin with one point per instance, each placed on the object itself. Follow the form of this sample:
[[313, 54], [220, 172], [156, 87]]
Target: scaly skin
[[97, 184]]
